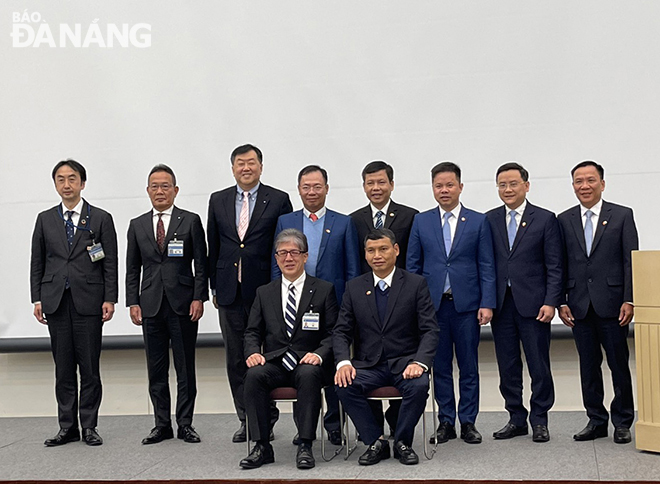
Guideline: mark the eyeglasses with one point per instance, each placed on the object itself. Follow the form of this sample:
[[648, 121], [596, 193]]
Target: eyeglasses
[[294, 253], [163, 186], [312, 188], [512, 185]]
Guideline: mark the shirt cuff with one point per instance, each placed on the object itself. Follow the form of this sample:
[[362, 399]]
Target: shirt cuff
[[424, 367], [318, 356], [343, 363]]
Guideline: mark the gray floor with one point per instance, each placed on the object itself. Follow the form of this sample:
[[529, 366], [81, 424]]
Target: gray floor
[[24, 457]]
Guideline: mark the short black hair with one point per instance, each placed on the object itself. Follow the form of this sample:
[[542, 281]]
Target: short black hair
[[512, 165], [160, 167], [377, 234], [446, 167], [375, 166], [311, 169], [74, 165], [241, 150], [582, 164]]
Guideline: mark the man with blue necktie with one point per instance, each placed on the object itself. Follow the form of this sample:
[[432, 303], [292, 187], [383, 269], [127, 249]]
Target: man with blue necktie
[[452, 247]]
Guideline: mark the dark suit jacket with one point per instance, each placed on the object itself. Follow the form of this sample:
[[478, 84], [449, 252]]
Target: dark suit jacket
[[91, 283], [470, 264], [398, 219], [603, 278], [339, 259], [409, 331], [533, 265], [172, 276], [226, 248], [266, 329]]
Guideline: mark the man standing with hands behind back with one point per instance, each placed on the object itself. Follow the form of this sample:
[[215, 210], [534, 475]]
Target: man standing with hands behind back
[[241, 230], [73, 279], [599, 237], [165, 245]]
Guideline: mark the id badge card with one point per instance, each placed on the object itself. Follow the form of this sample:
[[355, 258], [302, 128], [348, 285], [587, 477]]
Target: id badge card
[[175, 248], [95, 252], [310, 321]]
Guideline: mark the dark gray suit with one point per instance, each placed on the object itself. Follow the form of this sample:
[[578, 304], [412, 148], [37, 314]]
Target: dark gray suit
[[168, 288], [74, 314]]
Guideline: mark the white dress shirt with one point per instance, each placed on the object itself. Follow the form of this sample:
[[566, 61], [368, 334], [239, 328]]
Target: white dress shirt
[[519, 211], [75, 217], [167, 216], [453, 221], [318, 214], [375, 210], [596, 209]]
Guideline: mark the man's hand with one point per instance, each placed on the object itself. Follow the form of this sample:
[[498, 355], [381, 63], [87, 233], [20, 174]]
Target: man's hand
[[215, 302], [136, 315], [484, 315], [345, 376], [310, 359], [626, 314], [108, 309], [413, 370], [39, 314], [255, 359], [566, 316], [546, 313], [196, 310]]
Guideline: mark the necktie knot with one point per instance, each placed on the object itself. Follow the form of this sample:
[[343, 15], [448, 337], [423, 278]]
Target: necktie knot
[[447, 216], [313, 217], [292, 288], [587, 214], [69, 214], [379, 220], [382, 285]]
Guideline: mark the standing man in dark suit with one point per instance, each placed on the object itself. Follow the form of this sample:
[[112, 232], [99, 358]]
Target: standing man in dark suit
[[452, 247], [528, 259], [389, 317], [383, 212], [241, 229], [288, 342], [599, 237], [333, 252], [166, 245], [73, 280]]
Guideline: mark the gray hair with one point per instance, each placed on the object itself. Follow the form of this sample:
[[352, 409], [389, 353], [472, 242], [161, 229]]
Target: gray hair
[[292, 235]]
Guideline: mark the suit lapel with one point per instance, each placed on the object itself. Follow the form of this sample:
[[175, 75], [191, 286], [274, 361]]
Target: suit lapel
[[437, 230], [601, 225], [230, 210], [395, 290], [525, 221], [263, 197], [308, 290], [83, 221], [463, 218], [391, 214], [60, 228], [501, 226], [369, 290], [576, 222], [147, 224], [275, 297], [175, 222], [327, 232]]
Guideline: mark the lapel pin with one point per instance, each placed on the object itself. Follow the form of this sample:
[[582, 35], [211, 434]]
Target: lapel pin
[[462, 219], [391, 214], [524, 224], [368, 293], [327, 231], [83, 222], [604, 222]]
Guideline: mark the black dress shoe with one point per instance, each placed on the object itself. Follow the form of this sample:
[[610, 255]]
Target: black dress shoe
[[376, 452], [405, 454], [445, 432], [260, 455], [470, 434], [271, 436], [158, 434], [334, 436], [510, 431], [92, 437], [622, 435], [540, 433], [305, 457], [591, 432], [64, 436], [187, 434], [240, 435]]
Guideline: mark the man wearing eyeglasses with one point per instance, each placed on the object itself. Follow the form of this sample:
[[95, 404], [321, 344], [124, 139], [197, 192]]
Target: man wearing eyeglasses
[[288, 343], [333, 252], [167, 251], [528, 261]]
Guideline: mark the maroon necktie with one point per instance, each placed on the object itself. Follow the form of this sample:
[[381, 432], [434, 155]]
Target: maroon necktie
[[160, 233]]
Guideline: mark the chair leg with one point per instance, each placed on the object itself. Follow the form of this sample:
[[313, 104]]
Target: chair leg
[[247, 433], [430, 453], [322, 431]]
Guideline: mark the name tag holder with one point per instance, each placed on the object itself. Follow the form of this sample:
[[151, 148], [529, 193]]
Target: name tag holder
[[175, 248], [311, 321]]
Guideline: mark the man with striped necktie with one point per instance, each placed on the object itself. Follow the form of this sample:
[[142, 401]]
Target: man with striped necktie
[[288, 343]]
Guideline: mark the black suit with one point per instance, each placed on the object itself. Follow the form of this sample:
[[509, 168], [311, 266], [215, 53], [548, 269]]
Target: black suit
[[398, 219], [74, 313], [225, 251], [384, 347], [168, 288], [596, 286], [529, 275], [266, 334]]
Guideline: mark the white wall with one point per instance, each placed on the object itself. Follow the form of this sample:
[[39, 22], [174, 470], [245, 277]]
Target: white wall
[[546, 83]]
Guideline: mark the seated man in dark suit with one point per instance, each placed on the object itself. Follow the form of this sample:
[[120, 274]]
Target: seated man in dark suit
[[389, 317], [288, 343]]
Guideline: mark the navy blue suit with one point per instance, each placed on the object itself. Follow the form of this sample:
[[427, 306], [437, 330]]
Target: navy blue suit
[[597, 285], [529, 275], [471, 269]]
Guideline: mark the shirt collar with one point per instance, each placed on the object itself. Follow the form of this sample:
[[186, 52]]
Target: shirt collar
[[455, 212], [320, 213], [164, 212], [297, 283], [520, 210], [387, 279], [77, 209], [252, 191], [375, 210], [595, 209]]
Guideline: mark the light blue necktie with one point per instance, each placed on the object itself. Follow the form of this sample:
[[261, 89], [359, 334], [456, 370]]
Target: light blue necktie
[[512, 228], [588, 231], [382, 285], [379, 220], [446, 235]]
